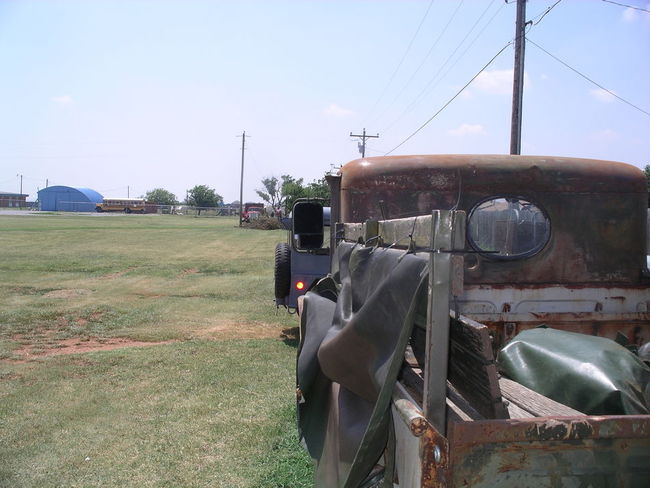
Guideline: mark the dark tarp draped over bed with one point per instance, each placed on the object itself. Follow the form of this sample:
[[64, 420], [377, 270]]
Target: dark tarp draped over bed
[[355, 326]]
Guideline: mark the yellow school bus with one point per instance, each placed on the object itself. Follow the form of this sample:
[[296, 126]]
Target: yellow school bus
[[126, 205]]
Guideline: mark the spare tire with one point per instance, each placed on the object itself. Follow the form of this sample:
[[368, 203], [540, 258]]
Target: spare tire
[[282, 270]]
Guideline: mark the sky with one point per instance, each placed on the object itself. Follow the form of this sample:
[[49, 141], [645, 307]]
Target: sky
[[124, 96]]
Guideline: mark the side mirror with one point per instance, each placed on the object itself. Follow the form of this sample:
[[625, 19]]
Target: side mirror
[[307, 225]]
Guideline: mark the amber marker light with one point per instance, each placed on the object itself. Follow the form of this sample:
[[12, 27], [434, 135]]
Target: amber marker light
[[300, 285]]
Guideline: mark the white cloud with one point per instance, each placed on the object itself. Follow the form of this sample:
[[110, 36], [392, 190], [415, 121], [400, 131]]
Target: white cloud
[[602, 95], [62, 99], [630, 15], [497, 82], [467, 94], [606, 135], [467, 129], [337, 111]]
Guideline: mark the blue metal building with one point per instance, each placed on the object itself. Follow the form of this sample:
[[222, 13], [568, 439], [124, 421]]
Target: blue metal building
[[68, 199]]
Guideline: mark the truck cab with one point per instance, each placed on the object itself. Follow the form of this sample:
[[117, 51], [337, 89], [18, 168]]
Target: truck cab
[[560, 241]]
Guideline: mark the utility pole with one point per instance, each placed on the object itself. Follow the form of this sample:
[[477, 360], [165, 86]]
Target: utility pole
[[128, 192], [362, 147], [21, 184], [241, 183], [518, 79]]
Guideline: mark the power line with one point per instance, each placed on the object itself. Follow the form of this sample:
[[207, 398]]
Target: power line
[[587, 78], [473, 41], [628, 6], [537, 19], [452, 98], [399, 65], [435, 43], [430, 85]]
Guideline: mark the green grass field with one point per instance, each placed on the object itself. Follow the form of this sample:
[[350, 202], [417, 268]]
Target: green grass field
[[144, 351]]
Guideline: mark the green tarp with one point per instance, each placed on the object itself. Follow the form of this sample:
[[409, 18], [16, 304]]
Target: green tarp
[[591, 374]]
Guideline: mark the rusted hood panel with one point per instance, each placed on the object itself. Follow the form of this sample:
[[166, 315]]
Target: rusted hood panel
[[597, 209]]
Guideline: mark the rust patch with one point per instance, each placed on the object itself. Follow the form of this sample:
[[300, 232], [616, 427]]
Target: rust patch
[[520, 464], [434, 450]]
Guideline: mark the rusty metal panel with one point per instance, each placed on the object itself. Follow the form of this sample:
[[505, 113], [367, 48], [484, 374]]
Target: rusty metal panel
[[549, 452], [606, 311], [590, 204], [422, 453]]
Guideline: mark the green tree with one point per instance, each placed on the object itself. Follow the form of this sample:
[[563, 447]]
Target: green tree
[[292, 189], [203, 196], [318, 189], [160, 196], [281, 193], [272, 192]]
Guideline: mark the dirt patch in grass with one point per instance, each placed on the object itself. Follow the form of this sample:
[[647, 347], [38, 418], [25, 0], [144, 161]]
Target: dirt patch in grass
[[70, 293], [237, 330], [93, 317], [45, 343], [76, 345], [186, 272], [115, 275]]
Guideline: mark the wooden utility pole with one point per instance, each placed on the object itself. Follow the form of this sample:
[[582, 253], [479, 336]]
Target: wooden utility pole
[[518, 78], [241, 183], [363, 141]]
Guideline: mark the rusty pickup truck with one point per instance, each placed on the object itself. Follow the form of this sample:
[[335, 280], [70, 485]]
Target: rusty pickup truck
[[484, 323]]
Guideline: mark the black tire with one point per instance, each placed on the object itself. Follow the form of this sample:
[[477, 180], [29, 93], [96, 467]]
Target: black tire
[[282, 270]]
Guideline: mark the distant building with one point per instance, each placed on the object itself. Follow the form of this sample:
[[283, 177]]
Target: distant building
[[68, 199], [13, 200]]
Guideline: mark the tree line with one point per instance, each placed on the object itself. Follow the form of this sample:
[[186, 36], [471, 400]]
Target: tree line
[[199, 196], [280, 193]]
